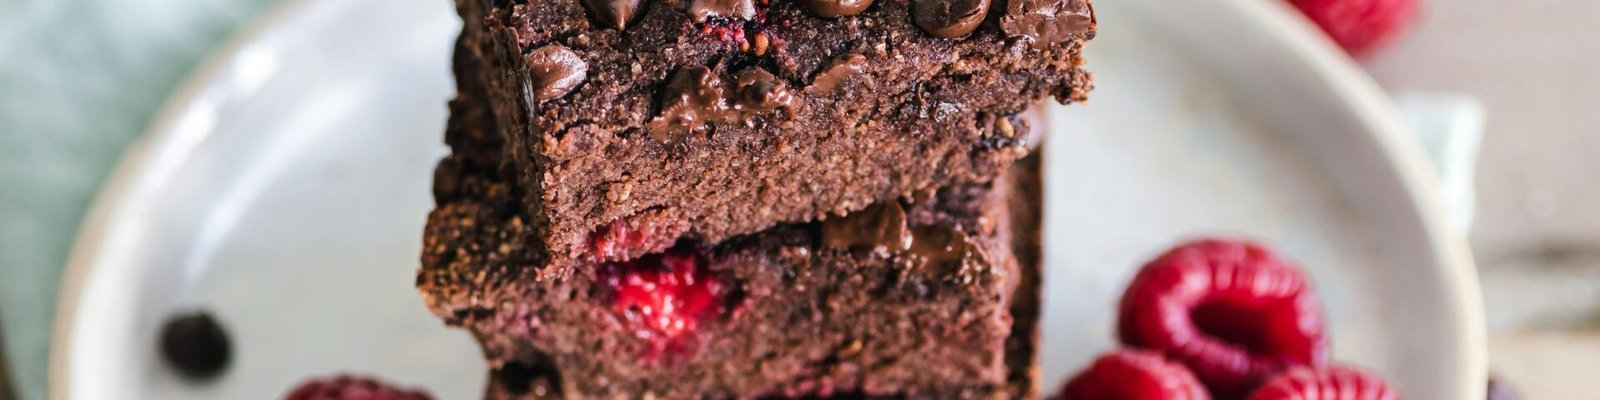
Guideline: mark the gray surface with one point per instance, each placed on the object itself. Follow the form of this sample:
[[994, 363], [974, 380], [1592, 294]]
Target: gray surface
[[79, 80], [1537, 237]]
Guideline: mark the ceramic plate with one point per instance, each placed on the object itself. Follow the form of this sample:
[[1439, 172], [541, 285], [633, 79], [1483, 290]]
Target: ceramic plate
[[285, 190]]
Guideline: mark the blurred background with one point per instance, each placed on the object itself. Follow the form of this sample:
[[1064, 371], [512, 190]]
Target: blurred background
[[80, 80]]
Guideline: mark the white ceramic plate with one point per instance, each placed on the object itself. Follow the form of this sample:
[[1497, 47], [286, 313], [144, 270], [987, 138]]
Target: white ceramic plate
[[285, 190]]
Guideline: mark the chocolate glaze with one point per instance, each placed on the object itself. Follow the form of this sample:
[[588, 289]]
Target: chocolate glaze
[[704, 10], [836, 8], [949, 18], [554, 70], [1047, 22], [614, 13], [841, 69]]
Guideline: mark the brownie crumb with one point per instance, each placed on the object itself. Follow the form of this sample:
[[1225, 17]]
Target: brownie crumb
[[195, 345]]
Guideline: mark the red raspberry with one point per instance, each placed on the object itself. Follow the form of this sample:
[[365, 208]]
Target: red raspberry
[[1232, 311], [1330, 383], [1359, 26], [1130, 374], [345, 387], [665, 295]]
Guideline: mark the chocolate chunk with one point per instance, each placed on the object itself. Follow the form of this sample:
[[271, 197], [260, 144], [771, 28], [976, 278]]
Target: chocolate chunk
[[195, 345], [841, 69], [554, 71], [881, 226], [949, 18], [614, 13], [1049, 21], [940, 246], [691, 99], [703, 10], [756, 89], [836, 8]]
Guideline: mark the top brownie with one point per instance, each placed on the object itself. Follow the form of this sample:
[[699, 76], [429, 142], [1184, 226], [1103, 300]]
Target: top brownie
[[634, 123]]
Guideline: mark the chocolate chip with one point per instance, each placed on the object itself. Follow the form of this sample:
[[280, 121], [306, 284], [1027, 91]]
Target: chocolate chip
[[881, 226], [949, 18], [195, 345], [836, 8], [614, 13], [692, 98], [703, 10], [554, 70], [756, 89], [838, 71], [942, 248], [1049, 21]]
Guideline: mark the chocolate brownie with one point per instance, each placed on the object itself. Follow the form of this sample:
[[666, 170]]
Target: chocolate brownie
[[911, 297], [522, 382], [633, 124]]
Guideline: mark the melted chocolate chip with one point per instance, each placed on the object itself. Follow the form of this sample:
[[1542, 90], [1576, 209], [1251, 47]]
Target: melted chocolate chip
[[554, 71], [840, 70], [614, 13], [836, 8], [882, 226], [692, 98], [696, 96], [941, 246], [1048, 21], [195, 345], [703, 10], [757, 90], [949, 18]]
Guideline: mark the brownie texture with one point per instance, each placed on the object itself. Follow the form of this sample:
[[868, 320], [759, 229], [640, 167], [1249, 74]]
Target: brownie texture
[[910, 298], [632, 124]]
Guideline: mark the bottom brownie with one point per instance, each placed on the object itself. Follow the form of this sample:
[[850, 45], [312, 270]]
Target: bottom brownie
[[913, 298], [518, 382]]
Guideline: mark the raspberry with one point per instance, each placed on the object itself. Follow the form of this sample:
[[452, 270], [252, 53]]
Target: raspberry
[[1330, 383], [666, 294], [345, 387], [1233, 311], [1359, 26], [1130, 374]]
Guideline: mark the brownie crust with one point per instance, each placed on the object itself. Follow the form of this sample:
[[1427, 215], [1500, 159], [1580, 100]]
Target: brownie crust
[[683, 126]]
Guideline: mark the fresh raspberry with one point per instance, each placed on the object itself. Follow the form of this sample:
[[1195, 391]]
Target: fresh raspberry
[[1233, 311], [346, 387], [1305, 383], [665, 295], [1359, 26], [1130, 374]]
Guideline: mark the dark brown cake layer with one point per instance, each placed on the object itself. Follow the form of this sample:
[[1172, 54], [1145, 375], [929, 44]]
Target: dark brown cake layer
[[911, 298], [706, 119]]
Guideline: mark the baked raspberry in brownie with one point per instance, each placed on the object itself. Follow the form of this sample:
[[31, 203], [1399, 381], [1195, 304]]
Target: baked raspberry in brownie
[[913, 297], [633, 124]]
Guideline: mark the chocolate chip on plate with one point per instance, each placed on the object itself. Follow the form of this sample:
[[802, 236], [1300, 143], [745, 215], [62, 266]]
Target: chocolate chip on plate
[[195, 345]]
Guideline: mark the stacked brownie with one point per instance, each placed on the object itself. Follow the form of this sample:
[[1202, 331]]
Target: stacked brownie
[[748, 199]]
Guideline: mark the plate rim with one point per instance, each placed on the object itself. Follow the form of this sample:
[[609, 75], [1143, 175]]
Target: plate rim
[[139, 165]]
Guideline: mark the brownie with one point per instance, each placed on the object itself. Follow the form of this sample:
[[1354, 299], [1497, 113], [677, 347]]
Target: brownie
[[516, 381], [632, 124], [912, 297]]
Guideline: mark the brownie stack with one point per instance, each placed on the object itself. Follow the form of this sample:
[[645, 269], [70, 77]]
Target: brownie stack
[[748, 198]]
